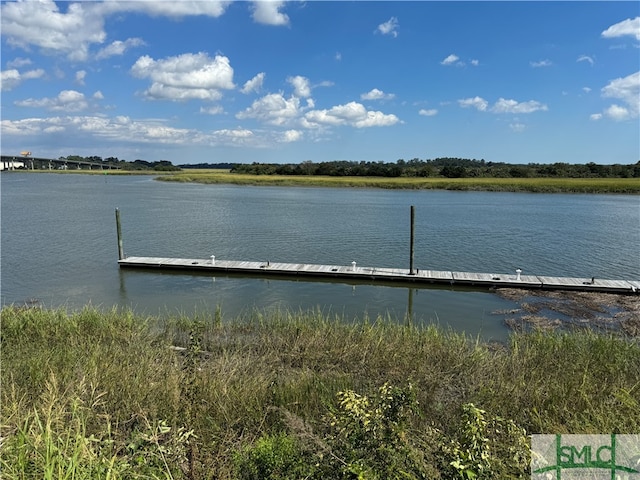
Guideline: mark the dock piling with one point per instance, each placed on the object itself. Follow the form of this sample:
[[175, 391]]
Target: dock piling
[[411, 243], [119, 229]]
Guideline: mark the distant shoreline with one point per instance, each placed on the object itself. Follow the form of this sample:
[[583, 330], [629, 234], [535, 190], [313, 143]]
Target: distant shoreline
[[627, 186]]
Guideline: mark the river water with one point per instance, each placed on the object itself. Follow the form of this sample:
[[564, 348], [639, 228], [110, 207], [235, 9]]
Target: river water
[[59, 246]]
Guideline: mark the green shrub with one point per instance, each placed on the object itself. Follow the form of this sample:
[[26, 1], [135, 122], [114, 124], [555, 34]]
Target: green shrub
[[272, 457]]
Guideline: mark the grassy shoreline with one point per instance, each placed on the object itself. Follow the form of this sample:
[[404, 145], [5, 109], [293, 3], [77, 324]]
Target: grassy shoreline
[[541, 185], [628, 186], [112, 395]]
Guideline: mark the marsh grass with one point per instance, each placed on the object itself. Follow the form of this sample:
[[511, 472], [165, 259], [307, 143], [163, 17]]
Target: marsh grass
[[542, 185], [111, 395]]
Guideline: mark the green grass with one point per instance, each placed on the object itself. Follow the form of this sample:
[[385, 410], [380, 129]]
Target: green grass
[[94, 394], [542, 185]]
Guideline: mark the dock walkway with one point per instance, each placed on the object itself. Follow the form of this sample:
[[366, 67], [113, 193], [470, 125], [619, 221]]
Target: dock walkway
[[373, 274]]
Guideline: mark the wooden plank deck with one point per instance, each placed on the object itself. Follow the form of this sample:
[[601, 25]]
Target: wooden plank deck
[[349, 272]]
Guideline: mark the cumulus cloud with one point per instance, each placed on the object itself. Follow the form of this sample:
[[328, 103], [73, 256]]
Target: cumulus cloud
[[185, 77], [273, 109], [301, 87], [502, 105], [376, 94], [232, 137], [118, 48], [268, 12], [428, 113], [352, 113], [478, 103], [290, 136], [450, 60], [255, 84], [9, 79], [624, 28], [43, 25], [627, 90], [122, 130], [512, 106], [66, 101], [390, 27], [72, 32]]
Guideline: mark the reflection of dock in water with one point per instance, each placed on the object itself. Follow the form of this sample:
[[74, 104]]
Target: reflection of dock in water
[[353, 272]]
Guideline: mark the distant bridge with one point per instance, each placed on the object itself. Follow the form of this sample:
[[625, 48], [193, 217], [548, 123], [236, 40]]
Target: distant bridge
[[13, 162]]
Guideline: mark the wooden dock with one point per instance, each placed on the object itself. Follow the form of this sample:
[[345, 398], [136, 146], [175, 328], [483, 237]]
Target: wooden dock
[[386, 275]]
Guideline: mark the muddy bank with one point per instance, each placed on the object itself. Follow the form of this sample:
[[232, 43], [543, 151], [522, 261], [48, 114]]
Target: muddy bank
[[562, 310]]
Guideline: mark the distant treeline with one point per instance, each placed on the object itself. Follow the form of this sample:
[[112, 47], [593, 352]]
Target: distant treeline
[[442, 167], [212, 166]]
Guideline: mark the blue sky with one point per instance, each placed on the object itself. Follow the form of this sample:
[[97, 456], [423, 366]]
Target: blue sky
[[285, 82]]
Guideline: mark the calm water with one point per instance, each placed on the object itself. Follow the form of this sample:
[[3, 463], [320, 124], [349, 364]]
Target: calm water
[[59, 244]]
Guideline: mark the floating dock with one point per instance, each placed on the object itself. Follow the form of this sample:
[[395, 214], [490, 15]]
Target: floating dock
[[354, 272]]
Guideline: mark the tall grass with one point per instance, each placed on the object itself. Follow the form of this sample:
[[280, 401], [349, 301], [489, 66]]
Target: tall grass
[[110, 395], [542, 185]]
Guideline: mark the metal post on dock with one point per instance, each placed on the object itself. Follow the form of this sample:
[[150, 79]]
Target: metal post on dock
[[119, 229], [413, 221]]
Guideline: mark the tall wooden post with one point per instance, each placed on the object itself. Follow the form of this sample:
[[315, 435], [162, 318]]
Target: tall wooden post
[[119, 228], [413, 221]]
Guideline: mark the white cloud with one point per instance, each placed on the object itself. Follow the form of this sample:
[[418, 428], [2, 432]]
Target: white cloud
[[72, 32], [66, 101], [502, 105], [231, 137], [352, 113], [301, 87], [585, 58], [450, 60], [268, 12], [291, 136], [627, 90], [172, 9], [217, 110], [19, 62], [255, 84], [43, 25], [626, 27], [390, 27], [586, 89], [376, 94], [541, 63], [184, 77], [428, 113], [118, 48], [512, 106], [338, 56], [10, 79], [595, 116], [273, 109], [98, 95], [517, 127], [80, 76], [475, 62], [478, 103]]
